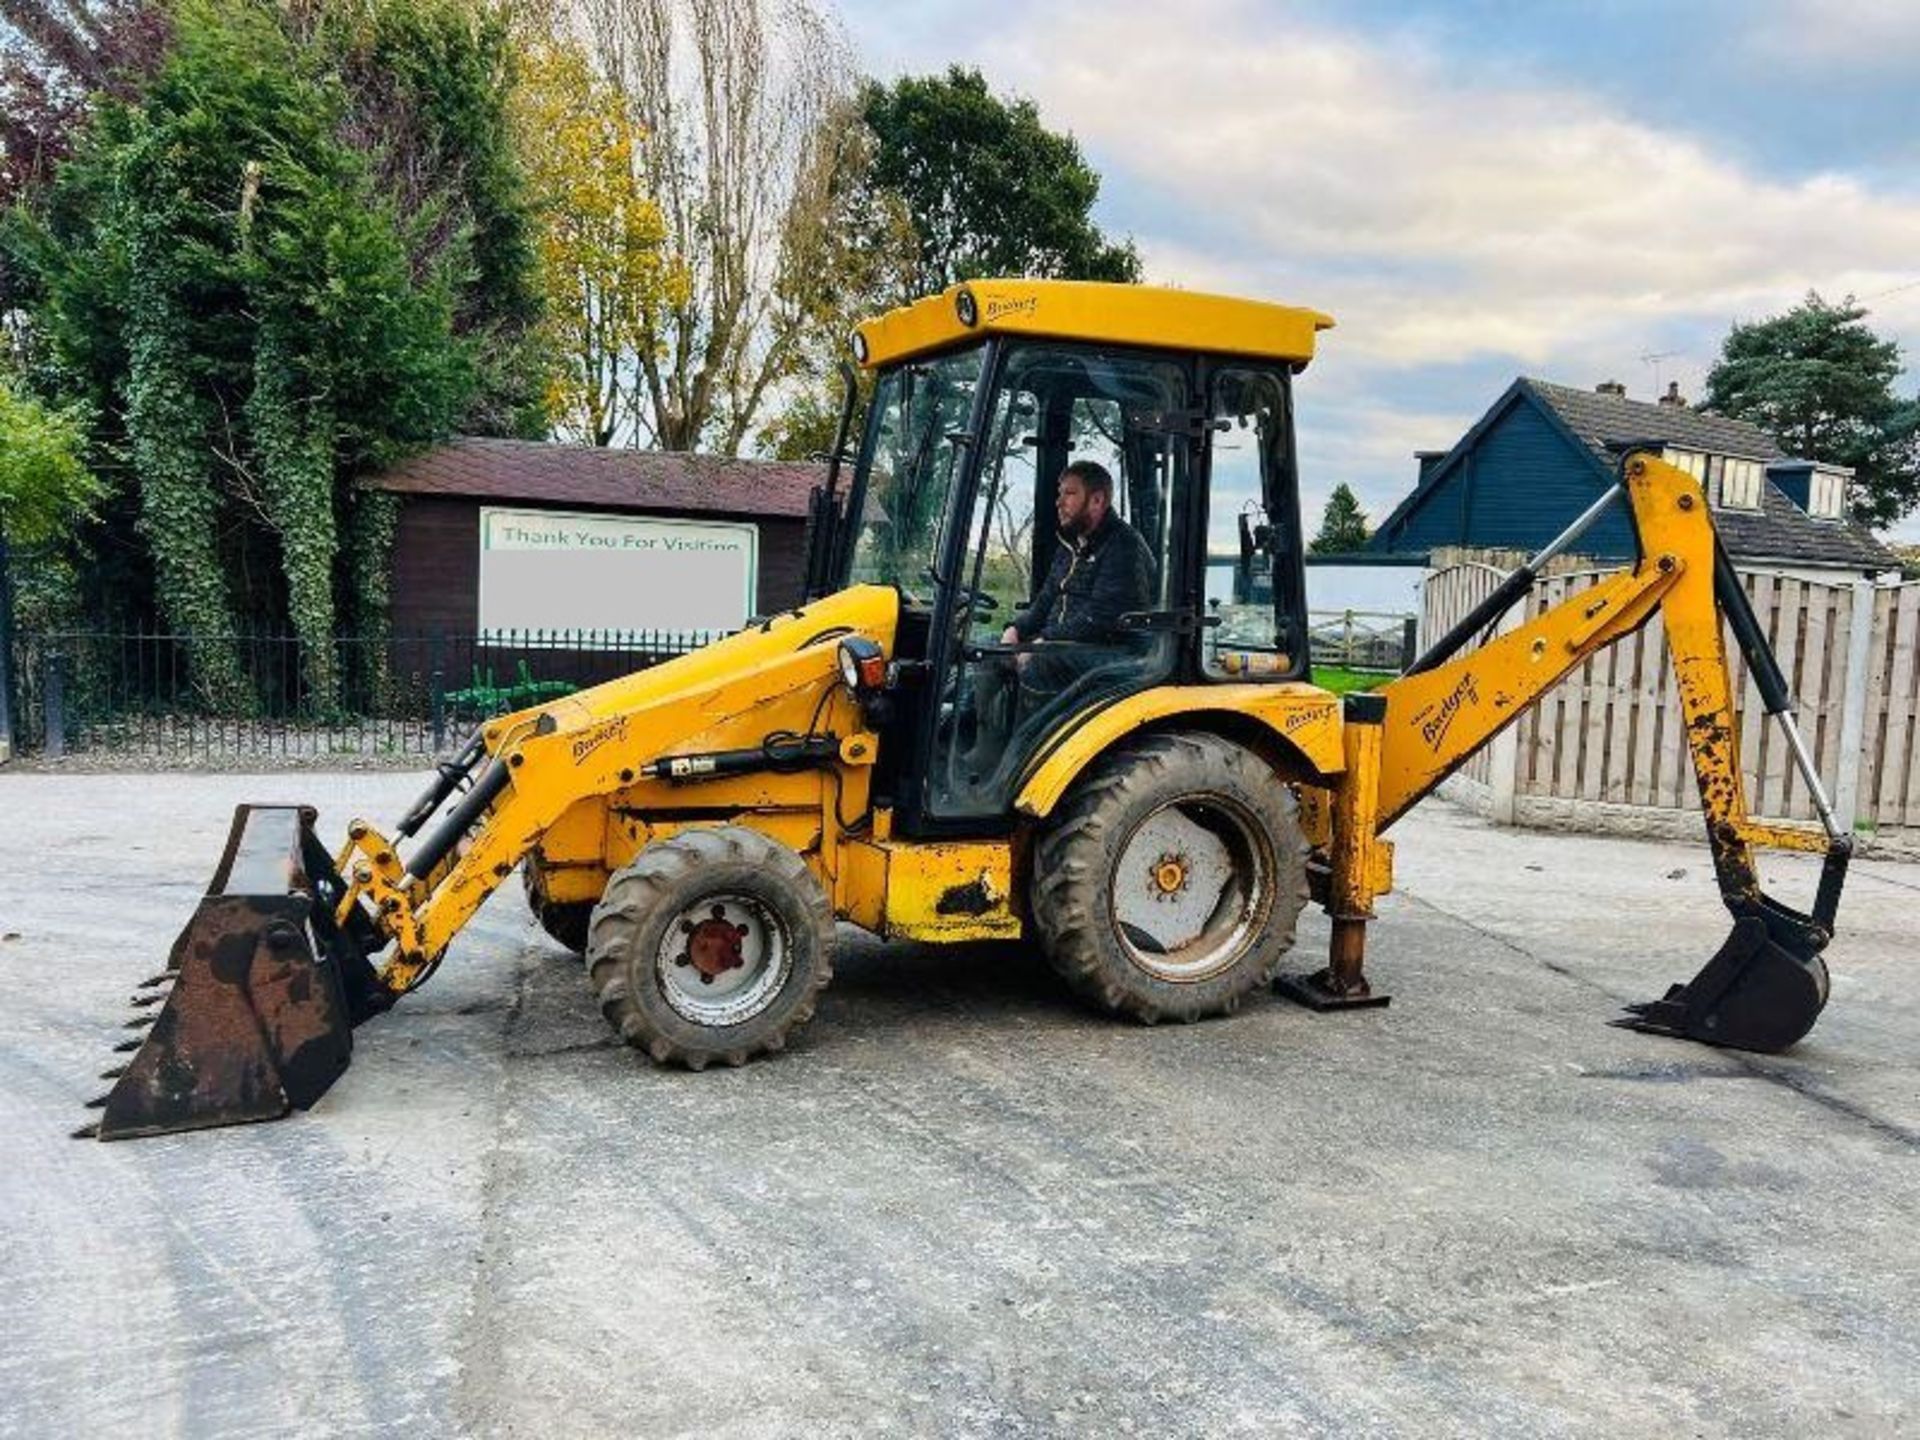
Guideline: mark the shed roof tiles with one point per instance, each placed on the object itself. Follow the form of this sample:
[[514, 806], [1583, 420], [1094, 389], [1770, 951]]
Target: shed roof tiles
[[529, 471]]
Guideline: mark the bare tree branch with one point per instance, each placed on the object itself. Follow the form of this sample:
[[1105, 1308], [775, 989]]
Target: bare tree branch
[[732, 95]]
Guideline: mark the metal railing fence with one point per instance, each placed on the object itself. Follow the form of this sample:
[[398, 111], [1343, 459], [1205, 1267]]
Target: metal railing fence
[[145, 694]]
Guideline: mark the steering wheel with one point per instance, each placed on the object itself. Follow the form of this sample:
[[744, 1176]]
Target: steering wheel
[[972, 601]]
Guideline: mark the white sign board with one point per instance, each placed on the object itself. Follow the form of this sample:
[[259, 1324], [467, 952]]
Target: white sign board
[[558, 570]]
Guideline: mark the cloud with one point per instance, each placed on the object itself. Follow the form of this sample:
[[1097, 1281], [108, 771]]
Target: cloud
[[1874, 34], [1450, 217], [1443, 218]]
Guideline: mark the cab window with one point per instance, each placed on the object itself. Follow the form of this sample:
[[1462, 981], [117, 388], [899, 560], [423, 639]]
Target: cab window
[[1253, 531]]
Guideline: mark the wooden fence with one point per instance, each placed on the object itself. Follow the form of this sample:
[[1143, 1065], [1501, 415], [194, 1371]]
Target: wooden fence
[[1607, 744]]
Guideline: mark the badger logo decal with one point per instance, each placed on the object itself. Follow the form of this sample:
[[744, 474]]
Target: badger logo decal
[[594, 739], [1436, 719]]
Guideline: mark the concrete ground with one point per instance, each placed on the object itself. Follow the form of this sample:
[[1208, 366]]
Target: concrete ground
[[962, 1205]]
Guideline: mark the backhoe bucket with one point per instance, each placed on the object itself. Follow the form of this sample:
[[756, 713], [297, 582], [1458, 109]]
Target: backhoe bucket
[[265, 990], [1759, 992]]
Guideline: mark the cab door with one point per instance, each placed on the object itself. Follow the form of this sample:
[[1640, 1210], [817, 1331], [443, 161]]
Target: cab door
[[1255, 587], [998, 702]]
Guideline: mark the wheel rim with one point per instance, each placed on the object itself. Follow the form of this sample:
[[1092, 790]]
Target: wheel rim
[[1192, 887], [723, 960]]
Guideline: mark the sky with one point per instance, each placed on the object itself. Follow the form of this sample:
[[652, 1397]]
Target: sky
[[1476, 190]]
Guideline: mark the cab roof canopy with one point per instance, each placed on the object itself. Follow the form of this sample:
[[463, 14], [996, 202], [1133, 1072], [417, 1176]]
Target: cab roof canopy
[[1090, 311]]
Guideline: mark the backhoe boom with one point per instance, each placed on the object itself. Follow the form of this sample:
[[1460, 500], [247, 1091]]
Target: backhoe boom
[[1767, 985]]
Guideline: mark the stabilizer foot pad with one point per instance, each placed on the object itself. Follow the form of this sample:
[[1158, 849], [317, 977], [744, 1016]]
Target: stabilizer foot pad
[[1314, 992]]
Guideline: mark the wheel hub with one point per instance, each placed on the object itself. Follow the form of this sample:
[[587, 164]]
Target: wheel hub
[[713, 945], [1172, 873], [1191, 887], [723, 958]]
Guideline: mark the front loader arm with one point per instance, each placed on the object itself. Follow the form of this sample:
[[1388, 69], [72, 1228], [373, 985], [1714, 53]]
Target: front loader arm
[[523, 772], [1765, 987]]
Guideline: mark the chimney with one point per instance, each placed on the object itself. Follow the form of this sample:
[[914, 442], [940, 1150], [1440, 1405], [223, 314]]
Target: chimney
[[1672, 398], [1611, 387]]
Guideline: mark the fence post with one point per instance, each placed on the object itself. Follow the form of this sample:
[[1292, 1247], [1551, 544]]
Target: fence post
[[437, 691], [1853, 706], [55, 701], [1409, 641], [1503, 752], [6, 652]]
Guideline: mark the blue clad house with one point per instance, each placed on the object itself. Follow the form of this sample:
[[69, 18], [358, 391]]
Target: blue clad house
[[1544, 452]]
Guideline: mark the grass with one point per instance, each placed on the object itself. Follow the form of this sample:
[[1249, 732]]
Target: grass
[[1345, 682]]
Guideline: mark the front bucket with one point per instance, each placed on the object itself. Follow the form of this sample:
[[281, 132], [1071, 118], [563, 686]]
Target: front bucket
[[258, 1020], [1754, 994]]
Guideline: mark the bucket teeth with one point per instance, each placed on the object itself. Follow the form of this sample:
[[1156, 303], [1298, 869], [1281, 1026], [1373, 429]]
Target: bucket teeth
[[127, 1047], [88, 1131], [139, 1022], [165, 977], [113, 1072], [145, 1000], [98, 1102]]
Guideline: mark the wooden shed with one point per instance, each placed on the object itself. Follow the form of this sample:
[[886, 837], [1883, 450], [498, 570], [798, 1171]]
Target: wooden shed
[[461, 499]]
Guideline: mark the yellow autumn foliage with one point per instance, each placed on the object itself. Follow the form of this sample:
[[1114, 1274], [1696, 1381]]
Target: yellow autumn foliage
[[603, 260]]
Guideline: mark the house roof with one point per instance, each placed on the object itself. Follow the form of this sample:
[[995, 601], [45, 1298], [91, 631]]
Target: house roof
[[1603, 421], [524, 471], [1599, 424]]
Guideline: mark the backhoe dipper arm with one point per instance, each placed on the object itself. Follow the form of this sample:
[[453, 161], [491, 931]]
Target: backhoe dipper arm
[[1766, 986]]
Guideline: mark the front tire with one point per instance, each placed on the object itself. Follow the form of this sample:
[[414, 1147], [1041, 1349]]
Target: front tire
[[564, 920], [711, 945], [1171, 881]]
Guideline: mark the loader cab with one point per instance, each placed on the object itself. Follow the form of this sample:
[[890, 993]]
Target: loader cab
[[953, 503]]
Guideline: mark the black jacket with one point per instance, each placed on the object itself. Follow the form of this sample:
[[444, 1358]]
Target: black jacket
[[1095, 579]]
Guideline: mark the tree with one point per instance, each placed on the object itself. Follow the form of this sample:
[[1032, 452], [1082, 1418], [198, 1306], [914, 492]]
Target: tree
[[1343, 524], [850, 251], [428, 86], [1821, 383], [45, 485], [257, 310], [730, 97], [604, 269], [54, 61], [990, 189]]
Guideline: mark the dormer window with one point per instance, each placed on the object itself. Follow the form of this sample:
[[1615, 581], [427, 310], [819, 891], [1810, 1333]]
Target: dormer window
[[1691, 461], [1740, 482], [1827, 498]]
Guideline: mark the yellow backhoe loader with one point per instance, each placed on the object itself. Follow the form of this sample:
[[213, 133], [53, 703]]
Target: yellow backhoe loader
[[972, 731]]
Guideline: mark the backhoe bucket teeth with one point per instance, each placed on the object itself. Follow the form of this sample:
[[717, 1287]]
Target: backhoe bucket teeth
[[1756, 993], [265, 991]]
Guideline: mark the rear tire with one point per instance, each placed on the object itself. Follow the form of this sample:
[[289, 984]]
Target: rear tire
[[711, 945], [1170, 882], [564, 920]]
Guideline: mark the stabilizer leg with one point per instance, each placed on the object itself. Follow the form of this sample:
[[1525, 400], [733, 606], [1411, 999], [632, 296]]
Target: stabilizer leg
[[1357, 862]]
